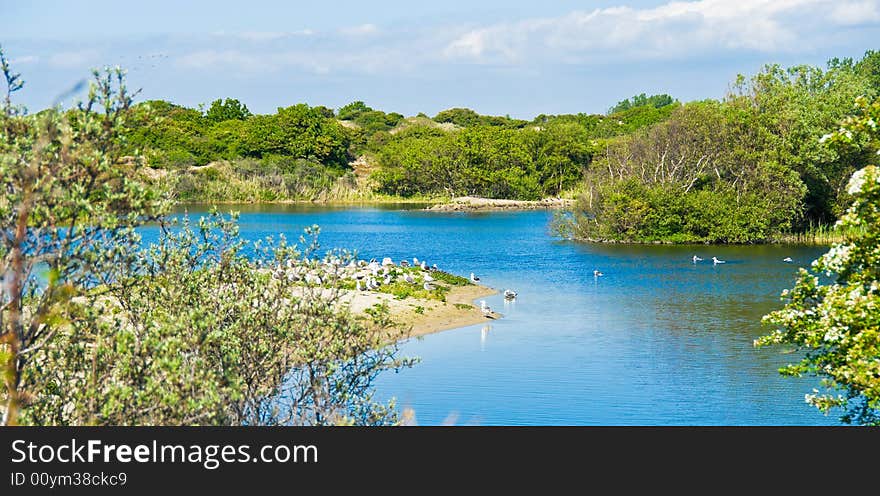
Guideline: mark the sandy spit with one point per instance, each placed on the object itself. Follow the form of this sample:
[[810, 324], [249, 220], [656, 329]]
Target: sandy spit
[[459, 309]]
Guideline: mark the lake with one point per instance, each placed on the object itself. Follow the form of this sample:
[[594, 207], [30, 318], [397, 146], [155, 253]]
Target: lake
[[657, 340]]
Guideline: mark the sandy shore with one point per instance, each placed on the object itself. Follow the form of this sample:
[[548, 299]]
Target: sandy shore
[[472, 203], [429, 316]]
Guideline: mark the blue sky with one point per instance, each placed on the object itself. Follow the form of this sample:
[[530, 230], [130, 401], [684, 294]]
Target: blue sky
[[520, 58]]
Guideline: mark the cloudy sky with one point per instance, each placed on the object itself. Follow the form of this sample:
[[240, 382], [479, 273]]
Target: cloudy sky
[[499, 57]]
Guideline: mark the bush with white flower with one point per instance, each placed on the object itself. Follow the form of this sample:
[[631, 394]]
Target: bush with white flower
[[832, 314]]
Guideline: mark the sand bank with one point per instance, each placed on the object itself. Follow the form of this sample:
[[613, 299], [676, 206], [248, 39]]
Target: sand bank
[[425, 316], [472, 203]]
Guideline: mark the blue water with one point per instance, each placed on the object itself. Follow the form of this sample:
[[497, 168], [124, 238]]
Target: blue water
[[657, 340]]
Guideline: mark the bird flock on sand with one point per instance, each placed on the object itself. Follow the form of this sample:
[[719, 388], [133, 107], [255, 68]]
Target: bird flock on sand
[[372, 275]]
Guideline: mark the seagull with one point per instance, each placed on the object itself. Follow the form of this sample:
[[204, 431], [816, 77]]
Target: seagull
[[434, 267], [424, 265], [787, 260], [404, 263], [596, 273], [487, 312], [428, 278], [474, 278], [509, 294], [697, 259], [415, 261], [716, 261], [387, 261], [387, 280], [429, 287], [408, 278]]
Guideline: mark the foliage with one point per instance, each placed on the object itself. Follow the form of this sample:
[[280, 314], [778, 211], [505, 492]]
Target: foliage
[[69, 207], [832, 313], [225, 110], [837, 324], [96, 328], [465, 117], [642, 100], [747, 169], [197, 333]]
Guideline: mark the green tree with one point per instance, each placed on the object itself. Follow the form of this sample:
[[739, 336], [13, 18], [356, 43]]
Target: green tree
[[225, 110], [68, 210], [642, 100], [352, 110], [195, 332], [832, 314]]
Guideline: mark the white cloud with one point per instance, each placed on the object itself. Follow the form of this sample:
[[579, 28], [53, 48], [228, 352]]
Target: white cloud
[[263, 36], [671, 30], [26, 59], [362, 30], [322, 61], [73, 59]]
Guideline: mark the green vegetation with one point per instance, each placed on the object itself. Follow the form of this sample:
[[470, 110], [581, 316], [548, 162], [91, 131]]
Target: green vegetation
[[750, 168], [97, 328], [642, 100], [832, 313]]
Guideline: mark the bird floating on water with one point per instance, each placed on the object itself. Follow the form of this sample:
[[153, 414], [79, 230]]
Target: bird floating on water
[[787, 260], [509, 294], [474, 278], [716, 261], [697, 259], [596, 273]]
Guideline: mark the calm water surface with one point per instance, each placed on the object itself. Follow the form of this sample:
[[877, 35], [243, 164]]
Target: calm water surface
[[657, 340]]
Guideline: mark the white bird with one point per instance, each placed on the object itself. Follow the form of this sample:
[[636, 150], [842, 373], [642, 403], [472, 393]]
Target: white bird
[[434, 267], [509, 294], [716, 261], [428, 278], [474, 278], [387, 261], [596, 273], [424, 265], [428, 286], [387, 280], [787, 260], [404, 263], [408, 278], [697, 259], [487, 312], [415, 261]]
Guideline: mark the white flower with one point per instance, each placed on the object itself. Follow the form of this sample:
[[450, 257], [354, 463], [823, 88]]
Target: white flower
[[857, 181]]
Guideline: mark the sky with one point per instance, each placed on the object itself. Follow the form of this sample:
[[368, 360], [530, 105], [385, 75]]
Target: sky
[[498, 57]]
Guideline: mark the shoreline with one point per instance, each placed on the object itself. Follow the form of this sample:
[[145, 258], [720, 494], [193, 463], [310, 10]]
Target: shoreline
[[477, 204], [422, 316]]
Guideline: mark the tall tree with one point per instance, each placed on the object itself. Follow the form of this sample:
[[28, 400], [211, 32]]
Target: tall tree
[[832, 314]]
